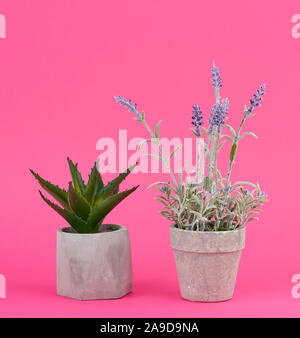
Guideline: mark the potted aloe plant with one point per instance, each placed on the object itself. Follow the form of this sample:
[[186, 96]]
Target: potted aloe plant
[[207, 212], [93, 259]]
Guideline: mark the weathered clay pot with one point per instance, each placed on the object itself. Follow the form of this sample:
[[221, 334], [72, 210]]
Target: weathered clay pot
[[94, 266], [207, 262]]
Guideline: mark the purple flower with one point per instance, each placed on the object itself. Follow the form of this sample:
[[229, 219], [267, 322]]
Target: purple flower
[[128, 105], [217, 116], [257, 97], [193, 184], [197, 119], [260, 194], [228, 188], [216, 79], [213, 192], [164, 188]]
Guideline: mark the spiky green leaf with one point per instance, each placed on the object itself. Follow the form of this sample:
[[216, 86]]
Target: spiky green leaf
[[59, 194], [76, 176], [92, 185], [103, 208], [78, 203], [76, 222], [112, 186]]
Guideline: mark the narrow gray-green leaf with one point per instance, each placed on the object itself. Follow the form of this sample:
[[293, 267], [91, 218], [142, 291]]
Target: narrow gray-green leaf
[[231, 129], [157, 129], [155, 156], [156, 183], [248, 133], [244, 183], [174, 151], [142, 142], [220, 145], [227, 138]]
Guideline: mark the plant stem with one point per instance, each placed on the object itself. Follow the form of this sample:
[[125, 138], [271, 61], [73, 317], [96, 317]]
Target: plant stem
[[229, 173], [217, 95], [215, 140], [235, 142], [211, 153], [206, 146], [240, 127], [163, 158], [198, 161], [215, 161]]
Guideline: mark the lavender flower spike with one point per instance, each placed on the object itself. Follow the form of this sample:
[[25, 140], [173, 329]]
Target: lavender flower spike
[[164, 188], [260, 194], [228, 188], [128, 105], [197, 117], [216, 79], [217, 116], [255, 101]]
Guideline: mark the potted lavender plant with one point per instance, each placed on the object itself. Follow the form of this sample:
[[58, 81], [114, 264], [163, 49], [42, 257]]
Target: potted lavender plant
[[93, 259], [208, 213]]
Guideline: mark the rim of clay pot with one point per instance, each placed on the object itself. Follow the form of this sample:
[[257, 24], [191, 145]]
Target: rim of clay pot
[[206, 232], [207, 241], [104, 229]]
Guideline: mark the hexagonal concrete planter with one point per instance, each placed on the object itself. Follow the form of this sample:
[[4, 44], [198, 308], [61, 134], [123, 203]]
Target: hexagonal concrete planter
[[94, 266], [207, 262]]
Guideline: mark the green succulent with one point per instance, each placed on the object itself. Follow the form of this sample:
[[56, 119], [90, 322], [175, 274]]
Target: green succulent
[[84, 206]]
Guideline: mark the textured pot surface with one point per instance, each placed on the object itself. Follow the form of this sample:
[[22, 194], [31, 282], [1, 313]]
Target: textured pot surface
[[207, 262], [94, 266]]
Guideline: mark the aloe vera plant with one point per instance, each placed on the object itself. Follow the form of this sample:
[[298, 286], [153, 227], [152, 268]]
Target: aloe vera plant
[[84, 206]]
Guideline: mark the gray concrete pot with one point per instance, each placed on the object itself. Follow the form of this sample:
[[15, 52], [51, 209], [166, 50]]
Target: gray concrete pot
[[94, 266], [207, 262]]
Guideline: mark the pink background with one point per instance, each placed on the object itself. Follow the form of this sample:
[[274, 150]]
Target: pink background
[[61, 65]]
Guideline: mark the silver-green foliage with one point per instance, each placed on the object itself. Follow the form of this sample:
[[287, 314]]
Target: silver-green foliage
[[211, 202], [221, 211]]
